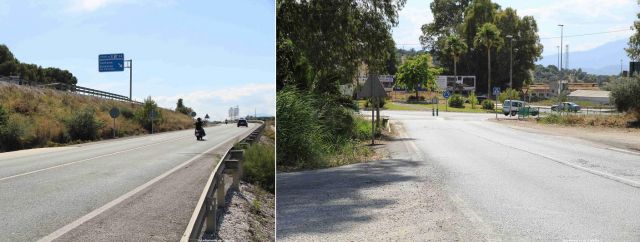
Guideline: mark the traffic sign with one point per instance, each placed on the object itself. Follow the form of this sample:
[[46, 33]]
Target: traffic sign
[[496, 91], [111, 62], [114, 113], [446, 94], [152, 114], [193, 114]]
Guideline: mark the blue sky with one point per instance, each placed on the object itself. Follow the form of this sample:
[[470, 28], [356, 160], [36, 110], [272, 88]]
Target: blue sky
[[578, 16], [214, 54]]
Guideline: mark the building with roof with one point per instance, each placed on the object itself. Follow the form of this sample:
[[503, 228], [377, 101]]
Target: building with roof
[[595, 96]]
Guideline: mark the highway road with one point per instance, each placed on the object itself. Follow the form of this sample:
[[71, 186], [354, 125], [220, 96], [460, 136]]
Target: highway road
[[516, 185], [130, 189]]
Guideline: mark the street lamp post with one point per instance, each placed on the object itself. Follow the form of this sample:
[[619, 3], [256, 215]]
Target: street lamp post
[[561, 37], [558, 57]]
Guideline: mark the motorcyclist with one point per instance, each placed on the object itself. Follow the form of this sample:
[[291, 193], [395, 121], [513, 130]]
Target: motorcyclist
[[199, 125]]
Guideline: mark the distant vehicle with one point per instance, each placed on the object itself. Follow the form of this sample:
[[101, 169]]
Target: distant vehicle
[[243, 122], [511, 107], [566, 106], [481, 98]]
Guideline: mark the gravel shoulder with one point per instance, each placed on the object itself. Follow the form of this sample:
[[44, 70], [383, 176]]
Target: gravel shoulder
[[399, 198]]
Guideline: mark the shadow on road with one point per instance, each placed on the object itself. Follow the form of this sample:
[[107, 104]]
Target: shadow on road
[[328, 200]]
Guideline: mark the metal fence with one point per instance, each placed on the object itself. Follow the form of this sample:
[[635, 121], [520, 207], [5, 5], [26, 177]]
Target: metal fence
[[204, 221], [72, 88]]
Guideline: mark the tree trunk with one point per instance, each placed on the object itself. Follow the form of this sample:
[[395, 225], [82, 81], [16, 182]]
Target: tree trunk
[[417, 97], [489, 72]]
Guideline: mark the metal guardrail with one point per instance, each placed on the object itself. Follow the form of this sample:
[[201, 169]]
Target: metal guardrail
[[204, 221], [76, 89]]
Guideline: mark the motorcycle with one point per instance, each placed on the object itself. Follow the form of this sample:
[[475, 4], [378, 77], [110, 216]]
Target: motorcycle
[[199, 134]]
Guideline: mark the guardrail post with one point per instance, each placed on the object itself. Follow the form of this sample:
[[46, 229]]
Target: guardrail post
[[237, 155], [220, 193], [212, 218]]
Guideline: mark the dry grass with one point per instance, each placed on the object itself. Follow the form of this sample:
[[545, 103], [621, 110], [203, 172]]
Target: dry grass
[[626, 120], [43, 113]]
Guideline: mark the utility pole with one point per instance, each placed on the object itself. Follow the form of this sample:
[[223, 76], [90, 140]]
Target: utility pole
[[510, 37], [561, 37]]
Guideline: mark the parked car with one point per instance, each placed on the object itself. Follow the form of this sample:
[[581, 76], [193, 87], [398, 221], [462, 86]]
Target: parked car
[[511, 107], [242, 122], [566, 106]]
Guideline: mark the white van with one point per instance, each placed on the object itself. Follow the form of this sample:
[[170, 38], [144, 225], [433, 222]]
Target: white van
[[511, 106]]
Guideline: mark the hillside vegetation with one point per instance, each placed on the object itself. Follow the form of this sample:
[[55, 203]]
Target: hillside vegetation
[[33, 117]]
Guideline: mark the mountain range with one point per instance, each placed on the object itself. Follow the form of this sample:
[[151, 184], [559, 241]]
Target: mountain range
[[602, 60]]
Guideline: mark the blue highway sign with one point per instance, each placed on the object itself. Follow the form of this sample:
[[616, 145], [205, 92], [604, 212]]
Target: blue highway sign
[[111, 62], [446, 94], [496, 91]]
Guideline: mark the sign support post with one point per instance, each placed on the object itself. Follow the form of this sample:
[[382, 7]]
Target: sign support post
[[130, 78], [496, 92]]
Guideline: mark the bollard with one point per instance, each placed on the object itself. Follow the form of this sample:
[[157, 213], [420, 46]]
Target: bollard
[[433, 112], [437, 112]]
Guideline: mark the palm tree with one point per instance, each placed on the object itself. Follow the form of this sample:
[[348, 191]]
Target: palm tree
[[488, 36], [455, 47]]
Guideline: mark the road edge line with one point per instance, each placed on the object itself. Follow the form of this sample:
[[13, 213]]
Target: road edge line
[[61, 231]]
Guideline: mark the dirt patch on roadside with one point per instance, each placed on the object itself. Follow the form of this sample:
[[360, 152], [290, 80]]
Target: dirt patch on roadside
[[625, 138], [249, 215]]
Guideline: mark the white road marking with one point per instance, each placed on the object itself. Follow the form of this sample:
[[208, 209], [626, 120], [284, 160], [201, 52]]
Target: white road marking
[[88, 159], [624, 151], [56, 234]]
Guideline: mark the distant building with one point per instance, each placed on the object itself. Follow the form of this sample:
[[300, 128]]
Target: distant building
[[595, 96], [540, 90]]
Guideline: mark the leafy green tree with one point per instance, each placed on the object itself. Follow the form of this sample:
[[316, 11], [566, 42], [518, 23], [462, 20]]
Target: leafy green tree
[[633, 51], [447, 15], [183, 109], [455, 47], [488, 36], [509, 94], [417, 72], [335, 37]]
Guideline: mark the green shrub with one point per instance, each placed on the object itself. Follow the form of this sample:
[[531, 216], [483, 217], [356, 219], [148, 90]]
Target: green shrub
[[456, 101], [625, 94], [83, 125], [552, 119], [381, 102], [259, 165], [142, 115], [473, 100], [11, 133], [298, 134], [509, 94], [127, 113], [487, 104], [3, 116]]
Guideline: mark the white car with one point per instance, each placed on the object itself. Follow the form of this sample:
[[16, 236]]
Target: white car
[[511, 107]]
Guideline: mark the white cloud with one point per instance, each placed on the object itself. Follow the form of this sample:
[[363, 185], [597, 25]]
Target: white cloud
[[412, 17], [254, 96], [86, 6]]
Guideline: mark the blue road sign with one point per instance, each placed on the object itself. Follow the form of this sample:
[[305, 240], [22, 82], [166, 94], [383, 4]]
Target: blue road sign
[[446, 94], [496, 91], [111, 62]]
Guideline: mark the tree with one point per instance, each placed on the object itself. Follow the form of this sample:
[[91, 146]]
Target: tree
[[183, 109], [417, 72], [455, 47], [488, 36], [624, 94], [447, 15], [633, 51], [335, 37]]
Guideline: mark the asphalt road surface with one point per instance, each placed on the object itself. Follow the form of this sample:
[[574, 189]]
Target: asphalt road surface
[[517, 185], [130, 189]]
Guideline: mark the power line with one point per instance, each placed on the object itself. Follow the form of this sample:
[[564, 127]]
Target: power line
[[596, 33], [558, 37]]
